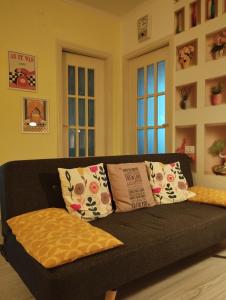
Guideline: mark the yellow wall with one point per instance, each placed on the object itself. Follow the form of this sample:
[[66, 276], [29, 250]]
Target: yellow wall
[[161, 24], [33, 27]]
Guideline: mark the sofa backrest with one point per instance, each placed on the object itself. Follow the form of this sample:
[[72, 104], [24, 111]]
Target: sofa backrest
[[29, 185]]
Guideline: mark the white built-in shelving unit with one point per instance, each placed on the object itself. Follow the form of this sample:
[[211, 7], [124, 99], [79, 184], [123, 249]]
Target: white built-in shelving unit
[[199, 119]]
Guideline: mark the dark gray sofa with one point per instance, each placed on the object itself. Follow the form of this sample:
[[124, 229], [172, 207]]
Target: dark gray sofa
[[154, 237]]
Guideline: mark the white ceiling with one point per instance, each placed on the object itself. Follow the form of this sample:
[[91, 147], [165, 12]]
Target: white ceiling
[[116, 7]]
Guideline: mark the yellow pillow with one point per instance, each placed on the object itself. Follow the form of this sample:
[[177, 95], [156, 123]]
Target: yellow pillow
[[208, 195], [53, 237]]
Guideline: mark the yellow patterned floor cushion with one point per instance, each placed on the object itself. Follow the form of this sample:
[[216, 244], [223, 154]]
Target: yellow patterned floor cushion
[[208, 195], [53, 237]]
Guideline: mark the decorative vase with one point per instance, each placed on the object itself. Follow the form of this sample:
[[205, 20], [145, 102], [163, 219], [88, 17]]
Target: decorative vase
[[179, 22], [219, 53], [216, 99], [193, 15], [209, 4], [183, 104], [212, 10], [186, 64]]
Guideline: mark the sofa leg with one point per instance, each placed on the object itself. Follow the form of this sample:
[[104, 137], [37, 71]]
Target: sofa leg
[[110, 295]]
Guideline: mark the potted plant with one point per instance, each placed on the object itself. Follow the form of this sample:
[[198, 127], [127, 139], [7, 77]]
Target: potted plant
[[216, 95], [218, 46], [218, 148]]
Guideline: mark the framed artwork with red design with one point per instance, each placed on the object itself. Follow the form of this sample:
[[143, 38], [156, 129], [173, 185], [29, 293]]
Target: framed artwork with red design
[[22, 71], [35, 115]]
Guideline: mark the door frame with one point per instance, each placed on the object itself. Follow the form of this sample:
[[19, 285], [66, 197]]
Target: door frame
[[169, 42], [107, 58]]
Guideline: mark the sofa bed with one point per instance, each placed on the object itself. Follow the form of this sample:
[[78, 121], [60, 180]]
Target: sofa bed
[[153, 237]]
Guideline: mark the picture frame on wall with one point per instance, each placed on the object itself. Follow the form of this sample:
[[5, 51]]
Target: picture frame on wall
[[143, 28], [22, 71], [35, 115]]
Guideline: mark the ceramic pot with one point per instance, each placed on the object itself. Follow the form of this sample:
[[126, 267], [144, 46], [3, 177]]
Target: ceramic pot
[[216, 99], [219, 53]]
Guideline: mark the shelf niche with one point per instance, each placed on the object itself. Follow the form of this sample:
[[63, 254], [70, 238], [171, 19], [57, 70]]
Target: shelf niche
[[213, 132], [189, 90], [179, 20], [187, 55], [211, 9], [186, 142], [215, 45], [215, 82], [195, 13]]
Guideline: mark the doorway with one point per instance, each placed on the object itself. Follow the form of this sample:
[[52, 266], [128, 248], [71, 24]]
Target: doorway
[[83, 105], [147, 120]]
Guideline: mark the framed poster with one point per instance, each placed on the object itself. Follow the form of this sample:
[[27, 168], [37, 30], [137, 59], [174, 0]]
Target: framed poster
[[22, 71], [35, 115], [143, 28]]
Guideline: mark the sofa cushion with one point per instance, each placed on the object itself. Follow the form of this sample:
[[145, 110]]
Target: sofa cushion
[[85, 191], [208, 195], [53, 237], [130, 186], [168, 183]]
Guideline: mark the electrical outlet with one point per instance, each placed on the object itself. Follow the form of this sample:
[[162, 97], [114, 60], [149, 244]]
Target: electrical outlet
[[189, 149]]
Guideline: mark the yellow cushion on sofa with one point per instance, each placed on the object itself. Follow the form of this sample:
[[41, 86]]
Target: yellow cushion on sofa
[[208, 195], [53, 237]]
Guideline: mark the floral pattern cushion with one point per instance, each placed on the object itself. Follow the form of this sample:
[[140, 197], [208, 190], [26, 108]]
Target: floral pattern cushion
[[168, 182], [85, 192]]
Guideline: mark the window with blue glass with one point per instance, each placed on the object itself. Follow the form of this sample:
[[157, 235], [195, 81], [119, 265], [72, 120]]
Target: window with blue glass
[[81, 111], [151, 108]]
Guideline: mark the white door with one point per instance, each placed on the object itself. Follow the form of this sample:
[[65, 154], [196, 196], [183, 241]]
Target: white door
[[84, 108], [146, 114]]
